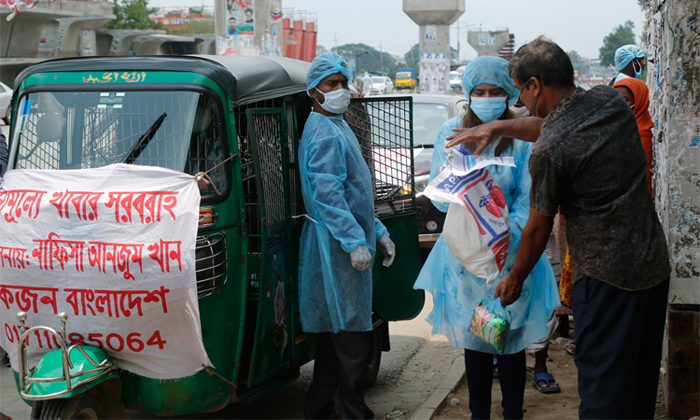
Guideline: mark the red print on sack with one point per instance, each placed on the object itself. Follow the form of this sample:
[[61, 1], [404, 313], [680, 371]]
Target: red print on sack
[[488, 202], [498, 197]]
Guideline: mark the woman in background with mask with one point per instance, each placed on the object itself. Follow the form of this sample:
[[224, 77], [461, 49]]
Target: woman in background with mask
[[456, 292]]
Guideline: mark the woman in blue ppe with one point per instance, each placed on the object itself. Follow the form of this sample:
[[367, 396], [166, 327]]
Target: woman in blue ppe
[[629, 62], [455, 291], [337, 246]]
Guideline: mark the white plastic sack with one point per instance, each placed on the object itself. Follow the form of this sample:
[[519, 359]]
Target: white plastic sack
[[476, 228]]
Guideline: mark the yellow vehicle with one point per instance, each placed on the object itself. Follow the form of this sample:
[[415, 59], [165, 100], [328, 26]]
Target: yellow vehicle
[[405, 79]]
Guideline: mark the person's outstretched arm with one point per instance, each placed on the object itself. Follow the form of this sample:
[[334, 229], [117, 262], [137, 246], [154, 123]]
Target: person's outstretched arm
[[527, 129]]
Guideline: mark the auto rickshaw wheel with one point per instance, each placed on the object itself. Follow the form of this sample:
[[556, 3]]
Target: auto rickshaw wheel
[[376, 359], [99, 402]]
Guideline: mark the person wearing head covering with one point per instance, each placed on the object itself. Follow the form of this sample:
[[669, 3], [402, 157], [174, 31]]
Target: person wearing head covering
[[366, 85], [337, 246], [629, 62], [456, 292], [636, 94]]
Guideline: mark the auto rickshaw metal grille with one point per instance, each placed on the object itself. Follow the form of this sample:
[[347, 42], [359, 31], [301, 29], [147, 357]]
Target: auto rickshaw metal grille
[[384, 129], [291, 144], [268, 136], [253, 188], [210, 263]]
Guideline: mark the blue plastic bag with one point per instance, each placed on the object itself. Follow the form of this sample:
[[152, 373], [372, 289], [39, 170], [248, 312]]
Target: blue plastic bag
[[491, 322]]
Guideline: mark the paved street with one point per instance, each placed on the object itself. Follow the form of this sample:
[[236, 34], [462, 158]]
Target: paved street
[[412, 369]]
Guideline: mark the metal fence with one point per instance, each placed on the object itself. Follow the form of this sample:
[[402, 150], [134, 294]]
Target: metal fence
[[384, 129]]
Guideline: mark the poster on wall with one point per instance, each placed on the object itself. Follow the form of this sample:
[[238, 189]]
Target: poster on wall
[[87, 49], [275, 10], [236, 45], [434, 72], [430, 33], [486, 38], [240, 17]]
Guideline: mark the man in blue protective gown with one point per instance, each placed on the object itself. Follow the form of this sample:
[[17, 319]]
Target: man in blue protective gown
[[337, 246]]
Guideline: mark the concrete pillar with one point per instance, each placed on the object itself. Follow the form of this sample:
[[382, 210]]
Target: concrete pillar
[[22, 36], [69, 34], [164, 44], [673, 76], [434, 18], [488, 42], [118, 41]]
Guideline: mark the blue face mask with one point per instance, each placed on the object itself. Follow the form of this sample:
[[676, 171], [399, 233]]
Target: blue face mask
[[637, 73], [488, 109]]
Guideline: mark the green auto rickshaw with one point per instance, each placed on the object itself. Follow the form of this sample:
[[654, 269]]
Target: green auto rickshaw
[[239, 119]]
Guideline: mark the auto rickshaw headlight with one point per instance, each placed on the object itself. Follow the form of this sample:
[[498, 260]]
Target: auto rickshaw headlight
[[207, 216]]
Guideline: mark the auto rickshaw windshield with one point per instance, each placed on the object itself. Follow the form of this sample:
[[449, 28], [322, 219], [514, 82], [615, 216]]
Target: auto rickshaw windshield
[[89, 129]]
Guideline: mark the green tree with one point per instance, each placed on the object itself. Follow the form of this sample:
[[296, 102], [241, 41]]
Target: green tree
[[320, 49], [133, 14], [621, 35], [194, 27], [412, 57], [369, 59], [643, 4], [573, 56]]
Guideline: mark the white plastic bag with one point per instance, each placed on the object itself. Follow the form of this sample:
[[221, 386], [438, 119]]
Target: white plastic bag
[[476, 228]]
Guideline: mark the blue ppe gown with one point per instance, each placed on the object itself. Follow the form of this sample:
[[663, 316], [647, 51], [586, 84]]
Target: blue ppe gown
[[336, 185], [456, 292]]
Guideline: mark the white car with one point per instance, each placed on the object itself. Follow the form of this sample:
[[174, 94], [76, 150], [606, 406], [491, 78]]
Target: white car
[[381, 85], [5, 97], [456, 82]]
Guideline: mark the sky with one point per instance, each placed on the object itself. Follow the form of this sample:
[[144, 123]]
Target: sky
[[578, 25]]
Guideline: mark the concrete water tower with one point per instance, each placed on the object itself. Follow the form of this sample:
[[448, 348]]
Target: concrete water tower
[[434, 18]]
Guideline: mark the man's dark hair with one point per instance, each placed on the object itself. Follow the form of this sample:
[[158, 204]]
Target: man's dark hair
[[544, 60]]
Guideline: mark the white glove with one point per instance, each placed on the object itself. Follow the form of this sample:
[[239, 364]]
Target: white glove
[[361, 258], [388, 248]]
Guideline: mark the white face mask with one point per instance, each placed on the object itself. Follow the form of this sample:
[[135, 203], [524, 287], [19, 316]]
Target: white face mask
[[520, 111], [336, 101]]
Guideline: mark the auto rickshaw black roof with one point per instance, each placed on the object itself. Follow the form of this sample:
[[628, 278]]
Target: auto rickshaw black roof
[[245, 79]]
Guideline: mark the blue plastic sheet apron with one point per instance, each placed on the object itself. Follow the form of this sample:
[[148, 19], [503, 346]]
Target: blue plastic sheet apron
[[337, 190]]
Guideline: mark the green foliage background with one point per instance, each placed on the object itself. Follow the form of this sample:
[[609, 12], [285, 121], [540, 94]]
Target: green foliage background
[[133, 14], [621, 35], [369, 59]]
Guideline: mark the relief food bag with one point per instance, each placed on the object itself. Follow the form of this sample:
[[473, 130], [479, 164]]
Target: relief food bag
[[491, 323], [477, 227]]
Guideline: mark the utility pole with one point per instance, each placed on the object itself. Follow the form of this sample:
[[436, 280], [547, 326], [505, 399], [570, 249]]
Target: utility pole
[[458, 50], [381, 57], [336, 42]]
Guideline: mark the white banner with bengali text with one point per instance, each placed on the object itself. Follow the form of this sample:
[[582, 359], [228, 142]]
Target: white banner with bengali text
[[113, 248]]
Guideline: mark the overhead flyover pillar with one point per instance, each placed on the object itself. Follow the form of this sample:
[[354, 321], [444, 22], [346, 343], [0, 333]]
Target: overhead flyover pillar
[[488, 42], [434, 19]]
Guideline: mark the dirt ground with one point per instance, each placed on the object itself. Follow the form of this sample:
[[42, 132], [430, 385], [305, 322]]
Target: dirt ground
[[563, 405]]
